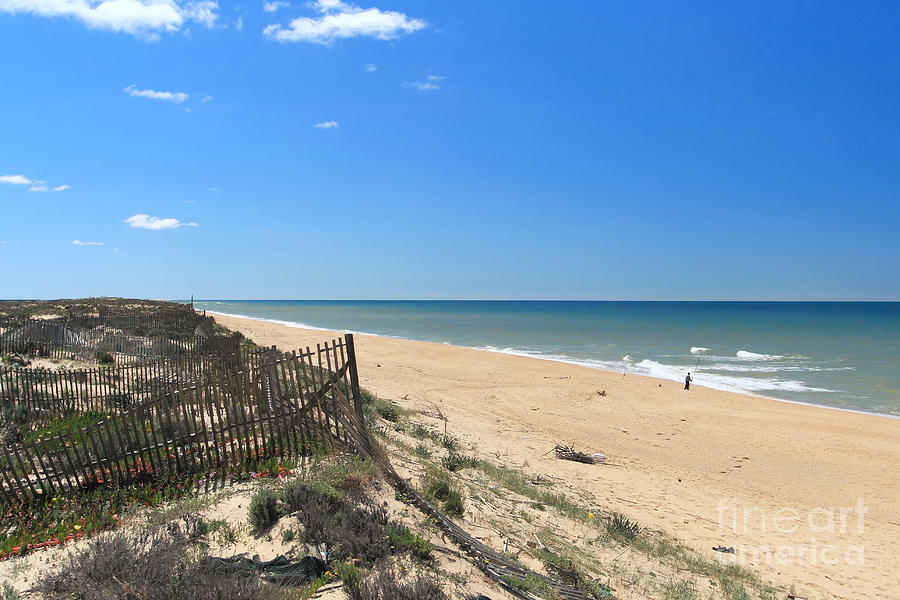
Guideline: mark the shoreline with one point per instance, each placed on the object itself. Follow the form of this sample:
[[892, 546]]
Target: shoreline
[[574, 362], [677, 459]]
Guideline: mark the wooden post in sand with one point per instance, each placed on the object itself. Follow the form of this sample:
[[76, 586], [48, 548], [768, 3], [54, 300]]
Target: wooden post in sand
[[354, 375]]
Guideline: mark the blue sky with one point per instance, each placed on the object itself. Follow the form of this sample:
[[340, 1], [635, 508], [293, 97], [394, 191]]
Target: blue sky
[[583, 150]]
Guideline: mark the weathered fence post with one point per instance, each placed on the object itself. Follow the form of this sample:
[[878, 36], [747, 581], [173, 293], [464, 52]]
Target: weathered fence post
[[354, 375]]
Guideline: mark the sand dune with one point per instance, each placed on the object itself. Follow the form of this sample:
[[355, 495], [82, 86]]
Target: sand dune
[[780, 482]]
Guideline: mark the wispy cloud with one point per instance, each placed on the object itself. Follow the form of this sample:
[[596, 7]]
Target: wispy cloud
[[430, 83], [15, 180], [371, 68], [203, 12], [156, 223], [271, 7], [326, 125], [80, 243], [140, 18], [339, 20], [176, 97], [37, 185]]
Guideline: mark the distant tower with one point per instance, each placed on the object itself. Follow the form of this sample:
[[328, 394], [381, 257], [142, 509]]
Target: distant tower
[[192, 302]]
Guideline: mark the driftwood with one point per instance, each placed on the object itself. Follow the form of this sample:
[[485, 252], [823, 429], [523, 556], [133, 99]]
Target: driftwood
[[569, 453]]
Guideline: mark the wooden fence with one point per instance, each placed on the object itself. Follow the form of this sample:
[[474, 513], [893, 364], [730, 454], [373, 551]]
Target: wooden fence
[[69, 339], [182, 319], [108, 389], [283, 406]]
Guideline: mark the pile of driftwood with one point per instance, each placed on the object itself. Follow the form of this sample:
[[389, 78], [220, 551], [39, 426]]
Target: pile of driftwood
[[569, 453]]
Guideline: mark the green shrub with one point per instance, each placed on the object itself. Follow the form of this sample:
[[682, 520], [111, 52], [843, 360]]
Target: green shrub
[[298, 494], [621, 527], [264, 509], [453, 505], [456, 462], [402, 539], [387, 411], [440, 486], [348, 574], [105, 358]]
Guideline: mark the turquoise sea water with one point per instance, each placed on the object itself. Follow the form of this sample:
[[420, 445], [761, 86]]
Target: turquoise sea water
[[839, 354]]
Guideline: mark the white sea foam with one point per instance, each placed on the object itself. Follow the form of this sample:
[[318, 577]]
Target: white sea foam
[[698, 349], [736, 367], [755, 356], [728, 383]]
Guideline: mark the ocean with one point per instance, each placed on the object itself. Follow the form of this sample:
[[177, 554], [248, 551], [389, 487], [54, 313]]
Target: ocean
[[837, 354]]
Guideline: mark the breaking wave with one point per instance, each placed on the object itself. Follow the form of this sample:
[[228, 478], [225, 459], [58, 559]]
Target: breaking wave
[[756, 356]]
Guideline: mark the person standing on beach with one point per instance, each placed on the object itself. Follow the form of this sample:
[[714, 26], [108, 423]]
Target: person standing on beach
[[687, 382]]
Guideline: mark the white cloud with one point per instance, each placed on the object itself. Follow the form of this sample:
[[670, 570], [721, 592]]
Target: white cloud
[[80, 243], [371, 68], [15, 180], [203, 12], [37, 185], [176, 97], [156, 223], [239, 24], [206, 99], [326, 125], [423, 86], [340, 20], [274, 6], [429, 85], [142, 18]]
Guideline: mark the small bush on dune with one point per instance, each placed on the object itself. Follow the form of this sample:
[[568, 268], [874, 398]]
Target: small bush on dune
[[343, 530], [402, 539], [146, 564], [299, 494], [264, 510], [456, 462], [621, 527], [348, 573], [317, 512], [383, 584], [361, 534], [387, 411], [440, 486], [349, 475]]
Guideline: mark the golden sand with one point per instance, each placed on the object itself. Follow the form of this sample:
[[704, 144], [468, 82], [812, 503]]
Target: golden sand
[[780, 482]]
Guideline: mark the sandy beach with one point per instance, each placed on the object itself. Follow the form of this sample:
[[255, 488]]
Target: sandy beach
[[806, 495]]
